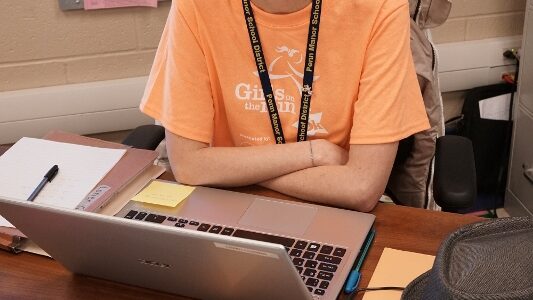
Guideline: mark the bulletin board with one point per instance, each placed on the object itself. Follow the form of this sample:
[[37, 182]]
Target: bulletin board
[[77, 4]]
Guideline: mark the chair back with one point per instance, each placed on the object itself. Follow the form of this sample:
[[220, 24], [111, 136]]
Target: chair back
[[411, 178]]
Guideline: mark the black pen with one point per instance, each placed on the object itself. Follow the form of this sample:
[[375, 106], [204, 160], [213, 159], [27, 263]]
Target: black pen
[[47, 178]]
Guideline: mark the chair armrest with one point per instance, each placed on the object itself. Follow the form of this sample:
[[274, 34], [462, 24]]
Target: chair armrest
[[454, 185], [145, 137]]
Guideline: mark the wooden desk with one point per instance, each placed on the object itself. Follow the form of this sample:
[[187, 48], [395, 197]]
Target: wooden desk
[[28, 276]]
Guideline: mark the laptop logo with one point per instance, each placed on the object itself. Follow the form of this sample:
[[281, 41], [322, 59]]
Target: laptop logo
[[246, 250], [153, 263]]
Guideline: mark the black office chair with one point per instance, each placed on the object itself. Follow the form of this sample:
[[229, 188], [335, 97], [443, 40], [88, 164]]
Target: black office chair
[[455, 173], [145, 137], [454, 176], [430, 167]]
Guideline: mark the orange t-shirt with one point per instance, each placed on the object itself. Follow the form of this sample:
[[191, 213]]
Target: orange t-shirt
[[204, 84]]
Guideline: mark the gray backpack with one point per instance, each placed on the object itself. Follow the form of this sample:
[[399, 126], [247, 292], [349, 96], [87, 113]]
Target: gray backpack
[[411, 179]]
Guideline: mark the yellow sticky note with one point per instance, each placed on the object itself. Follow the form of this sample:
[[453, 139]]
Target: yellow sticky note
[[397, 268], [164, 193]]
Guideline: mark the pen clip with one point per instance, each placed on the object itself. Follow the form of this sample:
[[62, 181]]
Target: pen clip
[[355, 276], [352, 282]]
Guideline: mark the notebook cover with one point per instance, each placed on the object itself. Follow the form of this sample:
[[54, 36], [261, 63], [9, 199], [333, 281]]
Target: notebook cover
[[135, 186], [134, 162], [9, 237]]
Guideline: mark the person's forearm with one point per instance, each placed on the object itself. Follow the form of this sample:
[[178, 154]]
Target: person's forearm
[[338, 186], [195, 163], [237, 166], [356, 185]]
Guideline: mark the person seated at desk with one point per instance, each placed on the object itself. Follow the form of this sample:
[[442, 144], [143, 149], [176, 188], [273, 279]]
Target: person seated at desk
[[223, 67]]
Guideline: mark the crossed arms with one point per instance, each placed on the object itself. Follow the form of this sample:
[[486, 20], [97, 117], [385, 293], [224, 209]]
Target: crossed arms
[[317, 171]]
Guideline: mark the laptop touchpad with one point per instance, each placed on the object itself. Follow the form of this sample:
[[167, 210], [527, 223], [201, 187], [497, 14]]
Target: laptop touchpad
[[288, 218]]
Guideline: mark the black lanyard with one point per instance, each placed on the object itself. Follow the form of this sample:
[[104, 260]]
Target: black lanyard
[[309, 70]]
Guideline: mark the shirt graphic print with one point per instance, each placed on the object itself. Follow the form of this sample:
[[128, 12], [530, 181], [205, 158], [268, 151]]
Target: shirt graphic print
[[286, 71]]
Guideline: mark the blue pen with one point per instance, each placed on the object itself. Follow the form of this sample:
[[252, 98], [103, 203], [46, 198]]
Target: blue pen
[[353, 279]]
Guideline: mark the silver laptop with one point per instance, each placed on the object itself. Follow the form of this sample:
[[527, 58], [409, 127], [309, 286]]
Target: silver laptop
[[216, 244]]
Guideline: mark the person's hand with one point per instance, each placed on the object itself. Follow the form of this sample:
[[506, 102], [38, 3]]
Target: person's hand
[[326, 153]]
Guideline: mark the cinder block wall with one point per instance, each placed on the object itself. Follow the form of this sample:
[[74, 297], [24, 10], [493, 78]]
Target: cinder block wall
[[481, 19], [475, 20], [40, 45]]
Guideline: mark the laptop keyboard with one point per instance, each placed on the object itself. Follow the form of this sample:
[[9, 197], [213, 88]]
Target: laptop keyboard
[[316, 263]]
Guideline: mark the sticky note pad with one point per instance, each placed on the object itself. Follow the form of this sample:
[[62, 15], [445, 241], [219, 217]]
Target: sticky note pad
[[164, 193], [397, 268]]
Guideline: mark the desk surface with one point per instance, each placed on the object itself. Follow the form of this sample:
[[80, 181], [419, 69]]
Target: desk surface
[[26, 276]]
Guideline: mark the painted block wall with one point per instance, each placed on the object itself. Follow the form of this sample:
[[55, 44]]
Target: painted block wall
[[40, 45]]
